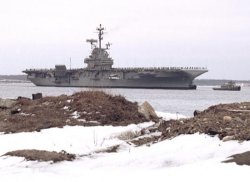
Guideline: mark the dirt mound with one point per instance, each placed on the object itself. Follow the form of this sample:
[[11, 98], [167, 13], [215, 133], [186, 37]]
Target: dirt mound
[[42, 155], [83, 108], [240, 159], [228, 121], [107, 109]]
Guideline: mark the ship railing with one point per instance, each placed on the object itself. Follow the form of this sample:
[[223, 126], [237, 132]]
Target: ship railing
[[149, 68], [39, 70], [51, 69], [131, 68], [162, 68]]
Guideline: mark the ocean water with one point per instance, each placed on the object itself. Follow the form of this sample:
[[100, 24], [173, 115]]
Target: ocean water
[[182, 102]]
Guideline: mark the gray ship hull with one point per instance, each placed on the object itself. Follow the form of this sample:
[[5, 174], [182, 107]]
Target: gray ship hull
[[165, 78], [100, 73]]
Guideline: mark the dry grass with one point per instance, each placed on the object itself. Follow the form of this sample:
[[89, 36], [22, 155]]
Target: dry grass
[[128, 135]]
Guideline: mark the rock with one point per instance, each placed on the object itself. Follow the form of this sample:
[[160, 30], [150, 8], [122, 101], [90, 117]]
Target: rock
[[196, 112], [152, 129], [212, 132], [157, 125], [205, 119], [47, 103], [22, 98], [6, 103], [147, 110], [15, 111], [181, 121], [227, 138], [168, 129], [239, 120], [37, 96], [145, 131], [227, 118]]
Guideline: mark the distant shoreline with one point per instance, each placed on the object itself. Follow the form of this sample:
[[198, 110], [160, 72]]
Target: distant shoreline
[[13, 77], [212, 82]]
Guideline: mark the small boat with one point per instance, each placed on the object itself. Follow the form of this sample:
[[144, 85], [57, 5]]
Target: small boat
[[231, 86]]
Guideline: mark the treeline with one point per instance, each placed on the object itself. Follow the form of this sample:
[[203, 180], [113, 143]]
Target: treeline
[[13, 77], [213, 82]]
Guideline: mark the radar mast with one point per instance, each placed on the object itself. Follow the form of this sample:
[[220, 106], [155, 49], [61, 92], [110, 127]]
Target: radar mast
[[100, 33]]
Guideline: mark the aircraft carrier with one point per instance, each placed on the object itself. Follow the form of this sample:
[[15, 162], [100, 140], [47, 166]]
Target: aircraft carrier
[[100, 73]]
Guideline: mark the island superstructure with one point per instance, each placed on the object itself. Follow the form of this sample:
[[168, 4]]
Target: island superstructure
[[100, 73]]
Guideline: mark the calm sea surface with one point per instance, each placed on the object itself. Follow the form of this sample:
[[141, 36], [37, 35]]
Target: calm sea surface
[[171, 101]]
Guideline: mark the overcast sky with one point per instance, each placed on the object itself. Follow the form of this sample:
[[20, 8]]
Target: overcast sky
[[203, 33]]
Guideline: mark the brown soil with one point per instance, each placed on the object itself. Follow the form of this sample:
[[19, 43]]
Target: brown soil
[[240, 159], [223, 120], [28, 115], [227, 121], [42, 155]]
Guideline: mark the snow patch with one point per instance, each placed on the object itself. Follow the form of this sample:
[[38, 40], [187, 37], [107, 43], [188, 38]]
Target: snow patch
[[65, 107], [75, 115], [168, 116], [179, 159]]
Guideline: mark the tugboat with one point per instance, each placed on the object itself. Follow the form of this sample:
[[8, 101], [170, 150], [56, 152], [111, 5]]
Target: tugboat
[[100, 73], [231, 86]]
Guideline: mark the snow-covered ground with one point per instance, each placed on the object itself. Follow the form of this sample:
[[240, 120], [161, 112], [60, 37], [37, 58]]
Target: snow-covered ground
[[185, 158], [168, 116]]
